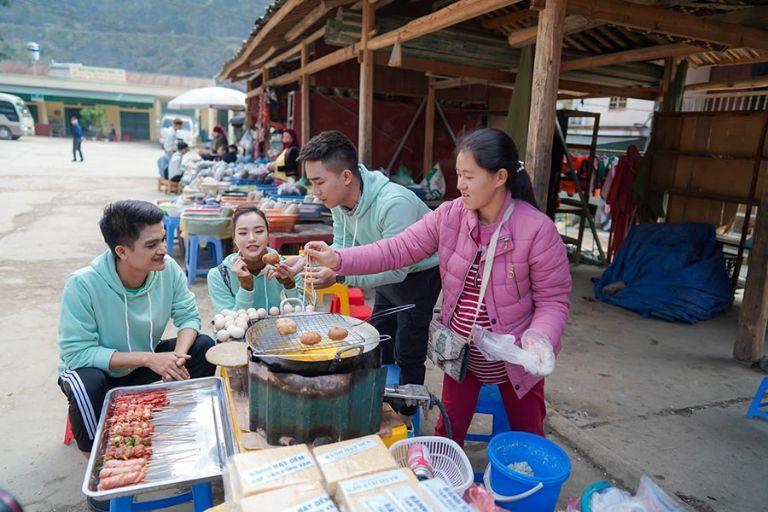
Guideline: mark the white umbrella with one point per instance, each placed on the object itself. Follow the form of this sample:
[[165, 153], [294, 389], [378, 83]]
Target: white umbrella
[[210, 97]]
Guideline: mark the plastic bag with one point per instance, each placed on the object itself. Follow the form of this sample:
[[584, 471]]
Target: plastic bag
[[537, 343], [433, 183], [535, 356], [481, 500], [403, 176], [649, 498]]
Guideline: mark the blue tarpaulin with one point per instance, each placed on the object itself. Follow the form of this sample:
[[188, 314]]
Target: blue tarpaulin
[[673, 271]]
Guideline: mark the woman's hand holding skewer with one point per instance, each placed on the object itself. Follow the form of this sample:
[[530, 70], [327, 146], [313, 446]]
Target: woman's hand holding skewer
[[321, 254]]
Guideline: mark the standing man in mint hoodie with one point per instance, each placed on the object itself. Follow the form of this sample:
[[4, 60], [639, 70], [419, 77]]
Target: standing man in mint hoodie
[[366, 208], [114, 312]]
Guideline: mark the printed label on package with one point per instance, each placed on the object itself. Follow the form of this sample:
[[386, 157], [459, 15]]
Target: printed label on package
[[407, 499], [320, 504], [346, 451], [378, 503], [444, 495], [368, 483], [277, 469]]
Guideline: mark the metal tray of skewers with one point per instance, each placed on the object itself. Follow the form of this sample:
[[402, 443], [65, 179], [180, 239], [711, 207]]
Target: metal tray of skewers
[[160, 436]]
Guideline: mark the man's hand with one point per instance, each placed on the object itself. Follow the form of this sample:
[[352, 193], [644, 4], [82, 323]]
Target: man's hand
[[321, 254], [169, 366], [320, 277], [240, 269]]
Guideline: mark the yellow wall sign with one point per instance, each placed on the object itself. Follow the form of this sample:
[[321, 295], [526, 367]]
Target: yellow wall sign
[[91, 73]]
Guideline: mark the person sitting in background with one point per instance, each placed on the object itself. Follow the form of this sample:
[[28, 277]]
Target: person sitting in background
[[114, 312], [219, 139], [287, 164], [176, 165], [243, 280], [230, 155]]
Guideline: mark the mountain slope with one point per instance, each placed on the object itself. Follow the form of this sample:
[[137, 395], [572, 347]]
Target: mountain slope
[[180, 37]]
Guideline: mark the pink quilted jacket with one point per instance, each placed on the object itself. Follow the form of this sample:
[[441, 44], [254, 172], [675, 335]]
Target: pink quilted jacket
[[530, 280]]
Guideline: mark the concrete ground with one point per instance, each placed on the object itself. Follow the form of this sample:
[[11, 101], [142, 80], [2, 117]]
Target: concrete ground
[[629, 395]]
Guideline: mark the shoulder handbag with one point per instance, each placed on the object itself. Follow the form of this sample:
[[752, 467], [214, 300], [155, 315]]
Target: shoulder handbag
[[446, 349]]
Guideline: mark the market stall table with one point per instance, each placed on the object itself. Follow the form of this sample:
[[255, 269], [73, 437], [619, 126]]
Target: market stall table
[[301, 234]]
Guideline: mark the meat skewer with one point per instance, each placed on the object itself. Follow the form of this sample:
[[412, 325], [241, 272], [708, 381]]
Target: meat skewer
[[116, 463], [132, 424], [121, 480]]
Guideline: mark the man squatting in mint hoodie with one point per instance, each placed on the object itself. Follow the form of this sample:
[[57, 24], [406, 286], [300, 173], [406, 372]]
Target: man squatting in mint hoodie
[[366, 208], [114, 312]]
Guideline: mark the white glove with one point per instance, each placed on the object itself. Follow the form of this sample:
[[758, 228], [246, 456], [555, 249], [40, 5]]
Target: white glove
[[539, 346], [501, 347]]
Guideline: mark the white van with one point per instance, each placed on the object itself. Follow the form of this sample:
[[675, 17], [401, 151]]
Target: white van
[[15, 118], [188, 133]]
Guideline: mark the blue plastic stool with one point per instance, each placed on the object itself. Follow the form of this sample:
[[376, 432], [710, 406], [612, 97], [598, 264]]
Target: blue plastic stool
[[201, 497], [489, 402], [194, 242], [393, 379], [171, 225], [757, 402]]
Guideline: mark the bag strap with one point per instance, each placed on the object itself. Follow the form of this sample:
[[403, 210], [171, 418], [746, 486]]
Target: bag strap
[[489, 259]]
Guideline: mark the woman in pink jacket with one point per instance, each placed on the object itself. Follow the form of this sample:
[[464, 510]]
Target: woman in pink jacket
[[528, 290]]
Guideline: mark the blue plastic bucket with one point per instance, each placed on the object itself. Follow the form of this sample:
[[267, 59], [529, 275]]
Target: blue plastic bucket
[[518, 492]]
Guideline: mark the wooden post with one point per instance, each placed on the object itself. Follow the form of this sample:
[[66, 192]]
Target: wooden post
[[305, 126], [546, 74], [429, 126], [753, 317], [666, 80], [365, 117]]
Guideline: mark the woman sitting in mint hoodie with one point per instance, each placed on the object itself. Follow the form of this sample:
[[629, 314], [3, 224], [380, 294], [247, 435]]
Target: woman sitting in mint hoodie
[[114, 311], [527, 292], [243, 280]]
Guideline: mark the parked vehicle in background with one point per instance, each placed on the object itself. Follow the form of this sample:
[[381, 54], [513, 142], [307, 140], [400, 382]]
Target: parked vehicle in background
[[188, 132], [15, 118]]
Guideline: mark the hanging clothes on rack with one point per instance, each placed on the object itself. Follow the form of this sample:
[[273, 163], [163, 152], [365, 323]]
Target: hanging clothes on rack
[[621, 198]]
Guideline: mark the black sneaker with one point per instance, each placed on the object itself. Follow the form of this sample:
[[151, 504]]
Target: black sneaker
[[97, 506]]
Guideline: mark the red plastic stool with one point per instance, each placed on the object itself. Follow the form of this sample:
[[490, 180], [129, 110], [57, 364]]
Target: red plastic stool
[[68, 435], [360, 312], [356, 297]]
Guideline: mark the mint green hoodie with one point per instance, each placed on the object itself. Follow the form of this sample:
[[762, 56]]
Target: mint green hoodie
[[385, 209], [100, 316], [265, 293]]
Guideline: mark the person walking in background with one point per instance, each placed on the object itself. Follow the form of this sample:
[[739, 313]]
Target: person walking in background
[[77, 138]]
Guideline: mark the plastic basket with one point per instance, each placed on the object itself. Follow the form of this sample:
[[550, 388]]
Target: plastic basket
[[448, 460], [280, 222]]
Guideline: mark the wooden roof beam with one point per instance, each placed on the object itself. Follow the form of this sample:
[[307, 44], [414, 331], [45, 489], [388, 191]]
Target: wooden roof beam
[[509, 19], [573, 24], [648, 93], [639, 55], [748, 83], [295, 50], [758, 59], [457, 12], [315, 66], [316, 15], [656, 19]]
